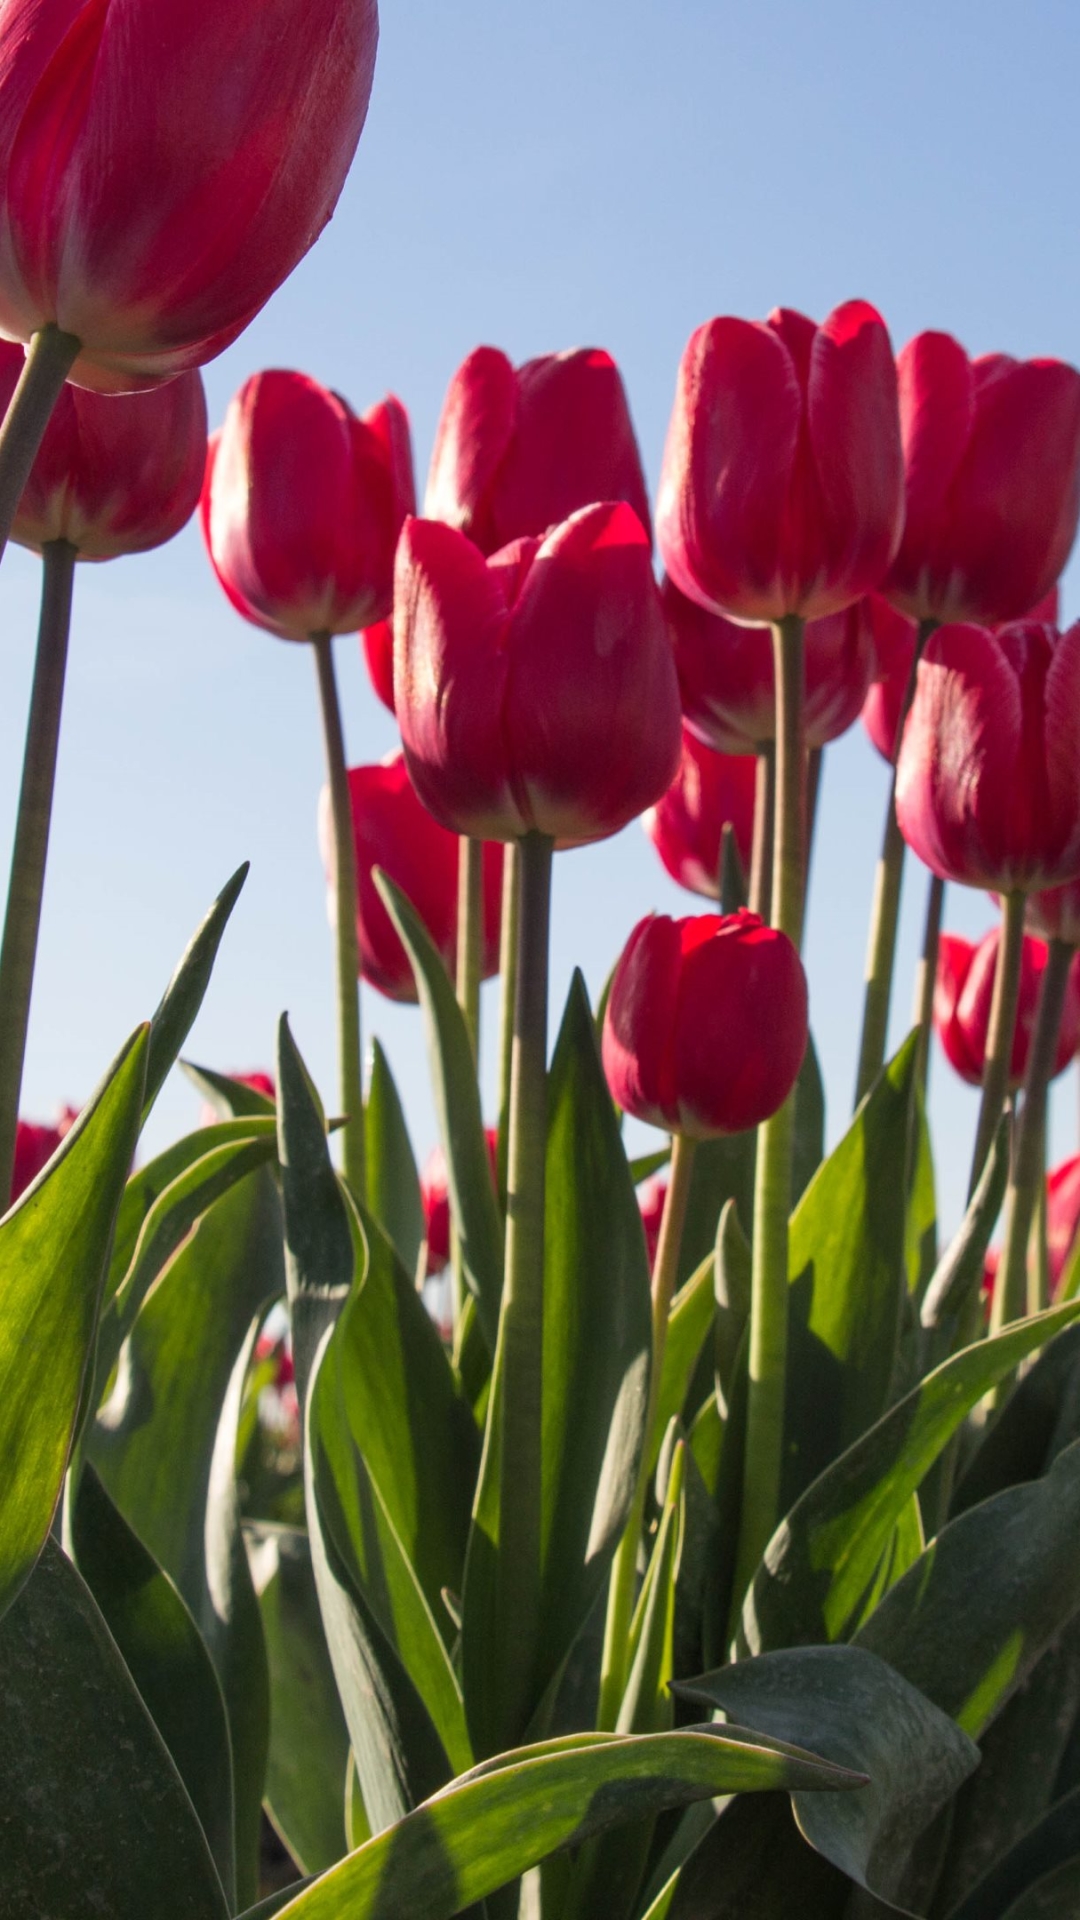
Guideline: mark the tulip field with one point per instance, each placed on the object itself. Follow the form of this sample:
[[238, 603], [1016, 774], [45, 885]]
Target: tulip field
[[549, 1526]]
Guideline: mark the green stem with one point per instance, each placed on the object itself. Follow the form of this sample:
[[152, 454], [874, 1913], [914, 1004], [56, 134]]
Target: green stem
[[731, 877], [624, 1567], [999, 1040], [350, 1068], [470, 934], [789, 843], [1026, 1175], [508, 939], [1038, 1298], [926, 978], [815, 762], [49, 359], [26, 886], [761, 852]]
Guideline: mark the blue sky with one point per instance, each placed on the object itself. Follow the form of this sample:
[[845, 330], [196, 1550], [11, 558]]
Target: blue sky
[[603, 172]]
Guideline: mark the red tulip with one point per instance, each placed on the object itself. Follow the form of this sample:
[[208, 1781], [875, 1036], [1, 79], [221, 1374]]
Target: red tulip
[[992, 463], [517, 451], [435, 1194], [393, 831], [166, 165], [1062, 1216], [964, 990], [782, 484], [303, 503], [894, 643], [988, 777], [706, 1023], [112, 476], [651, 1198], [377, 644], [535, 690], [686, 825], [35, 1146], [727, 680], [1055, 913]]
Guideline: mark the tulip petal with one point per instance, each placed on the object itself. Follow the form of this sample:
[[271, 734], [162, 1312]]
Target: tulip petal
[[854, 431], [475, 429], [573, 444], [639, 1024], [937, 414]]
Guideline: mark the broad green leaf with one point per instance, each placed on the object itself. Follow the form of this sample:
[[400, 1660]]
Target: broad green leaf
[[183, 996], [95, 1817], [231, 1099], [689, 1325], [734, 1288], [309, 1742], [1055, 1897], [846, 1265], [646, 1164], [492, 1825], [866, 1717], [597, 1341], [148, 1183], [822, 1558], [474, 1208], [319, 1256], [393, 1183], [723, 1170], [1037, 1421], [957, 1280], [750, 1865], [1046, 1848], [921, 1241], [166, 1658], [809, 1149], [54, 1246]]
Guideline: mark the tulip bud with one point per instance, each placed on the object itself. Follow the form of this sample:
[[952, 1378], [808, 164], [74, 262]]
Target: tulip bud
[[992, 481], [1062, 1216], [782, 484], [535, 690], [165, 166], [435, 1196], [303, 503], [706, 1023], [392, 830], [964, 992], [518, 450], [686, 825], [377, 646], [988, 776], [35, 1146]]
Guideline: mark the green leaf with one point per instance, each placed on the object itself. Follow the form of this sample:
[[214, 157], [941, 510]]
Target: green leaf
[[866, 1717], [1037, 1421], [148, 1183], [54, 1245], [95, 1818], [492, 1825], [393, 1183], [809, 1149], [309, 1742], [921, 1242], [597, 1340], [474, 1208], [646, 1164], [723, 1170], [747, 1866], [183, 996], [1046, 1848], [319, 1259], [822, 1558], [166, 1658], [955, 1288], [231, 1099], [1055, 1897], [689, 1325]]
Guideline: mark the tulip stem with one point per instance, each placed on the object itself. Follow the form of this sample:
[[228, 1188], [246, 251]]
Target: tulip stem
[[789, 836], [624, 1567], [762, 849], [26, 885], [926, 978], [49, 359], [999, 1040], [470, 934], [1026, 1175], [508, 937], [350, 1069]]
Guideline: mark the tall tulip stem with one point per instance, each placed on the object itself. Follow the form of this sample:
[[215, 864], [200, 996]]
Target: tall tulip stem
[[470, 933], [508, 942], [624, 1567], [999, 1039], [789, 833], [926, 976], [49, 359], [1026, 1175], [761, 852], [350, 1067], [26, 885]]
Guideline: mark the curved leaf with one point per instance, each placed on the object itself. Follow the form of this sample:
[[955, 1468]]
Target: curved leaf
[[1051, 1844], [319, 1260], [393, 1186], [183, 996]]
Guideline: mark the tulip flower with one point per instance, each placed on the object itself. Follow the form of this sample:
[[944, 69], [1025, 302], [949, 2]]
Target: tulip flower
[[963, 993], [706, 1023], [303, 503], [686, 825], [1062, 1216], [535, 691], [992, 481], [651, 1200], [377, 646], [1055, 914], [519, 450], [392, 830], [35, 1145], [435, 1195]]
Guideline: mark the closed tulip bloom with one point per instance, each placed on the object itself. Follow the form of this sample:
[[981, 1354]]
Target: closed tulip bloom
[[727, 677], [435, 1196], [519, 449], [709, 791], [536, 690], [964, 991], [303, 503], [782, 484], [165, 166], [988, 776], [706, 1023], [377, 646], [1062, 1216], [992, 481], [35, 1146], [392, 830], [112, 475]]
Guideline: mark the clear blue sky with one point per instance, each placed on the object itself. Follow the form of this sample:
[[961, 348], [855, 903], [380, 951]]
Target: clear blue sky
[[603, 172]]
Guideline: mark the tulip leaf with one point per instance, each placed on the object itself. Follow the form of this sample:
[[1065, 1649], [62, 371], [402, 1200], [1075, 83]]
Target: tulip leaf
[[822, 1558], [1050, 1847], [309, 1742], [95, 1816], [54, 1246], [809, 1147], [1040, 1417], [596, 1346], [866, 1717], [393, 1185], [473, 1204], [1055, 1897], [722, 1170], [319, 1255], [165, 1656], [183, 996], [148, 1183], [746, 1866], [689, 1325], [231, 1099], [489, 1827]]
